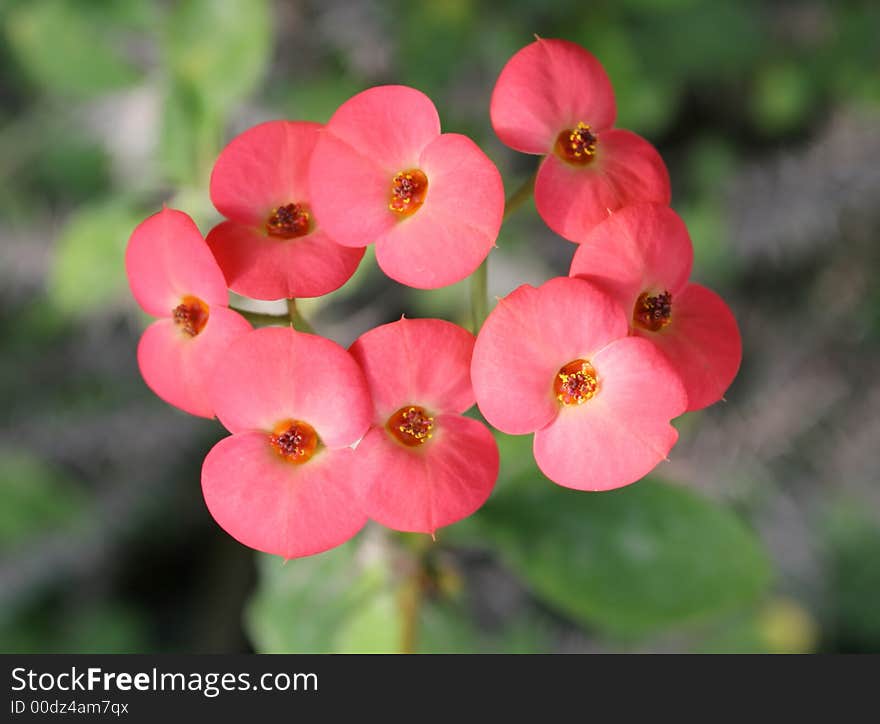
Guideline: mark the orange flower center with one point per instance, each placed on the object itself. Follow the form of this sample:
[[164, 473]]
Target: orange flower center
[[191, 315], [411, 425], [289, 221], [577, 145], [294, 440], [653, 312], [408, 191], [575, 383]]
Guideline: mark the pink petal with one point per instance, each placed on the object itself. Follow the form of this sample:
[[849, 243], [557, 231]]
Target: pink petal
[[425, 488], [278, 507], [623, 432], [350, 192], [276, 374], [390, 124], [625, 170], [546, 88], [528, 338], [266, 267], [179, 368], [453, 232], [703, 343], [167, 259], [644, 247], [263, 168], [424, 362]]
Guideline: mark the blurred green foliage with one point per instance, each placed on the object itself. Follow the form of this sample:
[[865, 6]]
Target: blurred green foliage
[[355, 598], [102, 628], [75, 49], [37, 499], [88, 257], [853, 552], [349, 603], [630, 561], [713, 82]]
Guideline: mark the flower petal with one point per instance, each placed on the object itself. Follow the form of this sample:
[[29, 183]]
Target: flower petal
[[371, 137], [425, 488], [350, 192], [453, 232], [703, 344], [276, 373], [618, 436], [167, 259], [424, 362], [546, 88], [626, 170], [278, 507], [528, 338], [263, 168], [179, 368], [391, 124], [265, 267], [644, 247]]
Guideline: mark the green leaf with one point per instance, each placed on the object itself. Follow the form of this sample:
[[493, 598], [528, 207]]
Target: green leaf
[[348, 600], [220, 49], [447, 628], [89, 264], [338, 601], [630, 561], [216, 53], [36, 497], [190, 136], [69, 47]]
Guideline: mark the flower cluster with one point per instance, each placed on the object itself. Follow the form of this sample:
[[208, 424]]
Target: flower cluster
[[596, 364]]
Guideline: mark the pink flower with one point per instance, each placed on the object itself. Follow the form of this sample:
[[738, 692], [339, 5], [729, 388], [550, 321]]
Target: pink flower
[[422, 463], [284, 481], [553, 98], [642, 256], [382, 172], [557, 361], [273, 245], [173, 276]]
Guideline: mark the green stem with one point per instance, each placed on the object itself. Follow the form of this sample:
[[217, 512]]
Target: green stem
[[293, 318], [412, 591], [480, 278], [480, 295], [297, 320], [520, 196], [258, 319]]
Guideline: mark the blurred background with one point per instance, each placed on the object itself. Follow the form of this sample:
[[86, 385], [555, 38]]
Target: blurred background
[[761, 534]]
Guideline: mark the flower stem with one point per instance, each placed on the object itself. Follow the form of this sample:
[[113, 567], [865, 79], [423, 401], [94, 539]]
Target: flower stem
[[410, 603], [297, 320], [293, 318], [480, 296], [480, 278], [259, 319], [520, 196], [411, 593]]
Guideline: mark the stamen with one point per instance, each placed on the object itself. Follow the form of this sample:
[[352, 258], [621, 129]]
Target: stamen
[[653, 312], [191, 315], [576, 383], [411, 425], [294, 440], [408, 191], [577, 145], [289, 221]]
